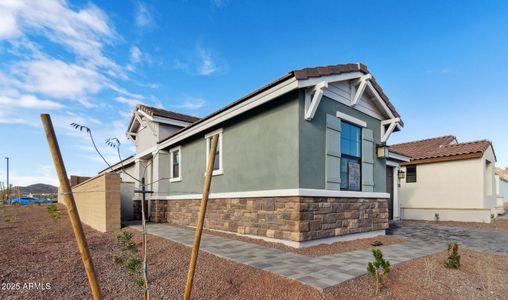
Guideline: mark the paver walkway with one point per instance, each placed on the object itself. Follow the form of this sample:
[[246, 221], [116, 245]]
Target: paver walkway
[[329, 270], [319, 272], [482, 240]]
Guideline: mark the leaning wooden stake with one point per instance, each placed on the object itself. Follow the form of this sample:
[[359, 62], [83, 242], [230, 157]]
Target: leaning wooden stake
[[201, 218], [71, 206]]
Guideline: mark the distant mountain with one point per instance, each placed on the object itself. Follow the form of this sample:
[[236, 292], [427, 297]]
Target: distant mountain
[[39, 188]]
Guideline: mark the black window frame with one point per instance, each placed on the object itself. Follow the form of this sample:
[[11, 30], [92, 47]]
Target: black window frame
[[411, 178], [349, 157]]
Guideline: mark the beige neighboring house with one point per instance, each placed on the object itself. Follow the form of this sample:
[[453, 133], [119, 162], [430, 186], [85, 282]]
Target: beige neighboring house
[[502, 187], [448, 180]]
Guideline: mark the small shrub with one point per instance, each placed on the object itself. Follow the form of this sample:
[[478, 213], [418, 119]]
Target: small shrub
[[140, 282], [9, 218], [132, 264], [453, 261], [118, 260], [124, 240], [492, 217], [54, 213], [378, 269]]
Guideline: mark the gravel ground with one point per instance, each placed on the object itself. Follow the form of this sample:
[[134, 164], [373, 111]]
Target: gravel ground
[[34, 248], [338, 247], [481, 276], [497, 225]]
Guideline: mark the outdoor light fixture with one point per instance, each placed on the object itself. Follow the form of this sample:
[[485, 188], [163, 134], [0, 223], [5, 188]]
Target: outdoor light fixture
[[382, 151], [401, 174]]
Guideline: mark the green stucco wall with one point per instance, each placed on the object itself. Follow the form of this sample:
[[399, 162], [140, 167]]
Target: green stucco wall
[[270, 147], [260, 152], [312, 136]]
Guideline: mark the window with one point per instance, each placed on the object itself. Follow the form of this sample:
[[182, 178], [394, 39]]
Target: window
[[351, 157], [217, 165], [176, 167], [410, 174]]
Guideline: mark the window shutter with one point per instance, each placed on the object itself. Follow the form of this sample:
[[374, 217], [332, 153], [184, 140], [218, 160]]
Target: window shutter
[[367, 160], [332, 161]]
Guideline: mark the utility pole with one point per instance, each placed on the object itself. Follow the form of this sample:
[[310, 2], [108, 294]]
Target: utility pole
[[8, 186]]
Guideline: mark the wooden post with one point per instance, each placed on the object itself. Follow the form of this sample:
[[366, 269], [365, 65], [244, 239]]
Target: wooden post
[[71, 206], [201, 218]]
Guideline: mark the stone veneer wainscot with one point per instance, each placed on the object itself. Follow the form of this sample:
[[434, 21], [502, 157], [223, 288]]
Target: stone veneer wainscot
[[295, 219]]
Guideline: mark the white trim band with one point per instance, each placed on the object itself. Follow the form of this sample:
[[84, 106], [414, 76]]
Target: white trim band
[[277, 193], [351, 119]]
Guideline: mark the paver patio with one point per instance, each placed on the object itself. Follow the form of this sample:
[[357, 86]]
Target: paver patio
[[326, 271]]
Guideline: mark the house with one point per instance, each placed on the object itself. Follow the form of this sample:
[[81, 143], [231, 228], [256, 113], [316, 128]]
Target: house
[[302, 160], [502, 187], [447, 180]]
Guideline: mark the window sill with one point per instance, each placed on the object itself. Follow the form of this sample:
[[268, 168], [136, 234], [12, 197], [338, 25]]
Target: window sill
[[216, 173], [175, 179]]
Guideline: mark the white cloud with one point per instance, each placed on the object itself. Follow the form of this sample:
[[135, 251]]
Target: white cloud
[[191, 104], [83, 32], [29, 101], [58, 79], [219, 3], [130, 102], [143, 16], [6, 118], [207, 65], [135, 54]]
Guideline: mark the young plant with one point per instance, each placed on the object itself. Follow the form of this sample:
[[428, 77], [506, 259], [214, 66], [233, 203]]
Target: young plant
[[54, 213], [124, 240], [453, 261], [378, 269]]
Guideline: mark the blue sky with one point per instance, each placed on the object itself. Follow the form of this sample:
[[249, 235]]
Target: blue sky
[[441, 63]]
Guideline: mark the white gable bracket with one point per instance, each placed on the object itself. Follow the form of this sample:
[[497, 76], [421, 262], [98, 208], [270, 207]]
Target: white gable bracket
[[358, 92], [385, 132], [310, 108]]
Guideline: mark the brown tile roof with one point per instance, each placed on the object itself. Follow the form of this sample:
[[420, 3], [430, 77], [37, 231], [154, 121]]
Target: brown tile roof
[[502, 173], [301, 74], [440, 149], [153, 111]]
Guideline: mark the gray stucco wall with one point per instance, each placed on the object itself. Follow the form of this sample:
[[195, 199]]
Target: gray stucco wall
[[313, 138], [270, 147], [260, 152]]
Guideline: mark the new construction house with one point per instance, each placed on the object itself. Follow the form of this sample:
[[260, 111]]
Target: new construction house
[[302, 160], [447, 180]]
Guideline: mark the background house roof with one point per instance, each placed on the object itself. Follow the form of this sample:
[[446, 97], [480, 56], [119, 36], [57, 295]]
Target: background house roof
[[444, 148], [153, 111], [502, 173]]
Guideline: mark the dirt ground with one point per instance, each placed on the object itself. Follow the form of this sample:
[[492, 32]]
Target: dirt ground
[[34, 248], [497, 225]]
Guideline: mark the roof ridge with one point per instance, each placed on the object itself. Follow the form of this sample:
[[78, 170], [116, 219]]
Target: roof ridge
[[152, 108], [426, 140], [467, 143]]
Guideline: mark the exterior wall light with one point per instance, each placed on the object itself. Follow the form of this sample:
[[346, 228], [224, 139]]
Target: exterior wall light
[[401, 174], [382, 151]]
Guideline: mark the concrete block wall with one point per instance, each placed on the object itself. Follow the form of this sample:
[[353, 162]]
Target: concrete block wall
[[98, 202]]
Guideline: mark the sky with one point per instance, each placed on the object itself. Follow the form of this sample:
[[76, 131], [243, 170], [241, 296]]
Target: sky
[[442, 64]]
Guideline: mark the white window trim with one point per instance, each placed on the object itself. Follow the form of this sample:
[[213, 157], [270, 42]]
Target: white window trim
[[351, 119], [208, 138], [179, 178]]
